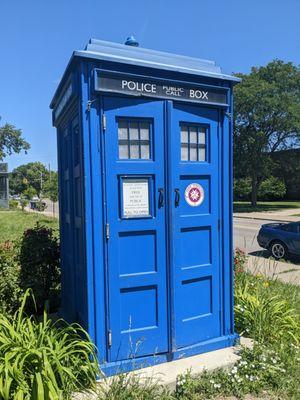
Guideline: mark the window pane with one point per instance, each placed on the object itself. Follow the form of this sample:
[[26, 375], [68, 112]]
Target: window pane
[[193, 134], [184, 134], [134, 151], [193, 154], [184, 152], [202, 155], [134, 131], [145, 153], [202, 136], [144, 130], [123, 151], [122, 130]]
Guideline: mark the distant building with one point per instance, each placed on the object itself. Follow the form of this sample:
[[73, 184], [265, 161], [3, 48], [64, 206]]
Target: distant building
[[4, 185]]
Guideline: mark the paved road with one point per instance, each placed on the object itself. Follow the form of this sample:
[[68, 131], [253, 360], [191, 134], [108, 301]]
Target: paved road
[[245, 233]]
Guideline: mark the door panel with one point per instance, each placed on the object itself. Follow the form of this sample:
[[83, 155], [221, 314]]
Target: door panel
[[136, 265], [194, 219]]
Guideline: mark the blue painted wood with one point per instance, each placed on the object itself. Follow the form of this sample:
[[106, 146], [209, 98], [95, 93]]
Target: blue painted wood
[[162, 284], [195, 262], [136, 247]]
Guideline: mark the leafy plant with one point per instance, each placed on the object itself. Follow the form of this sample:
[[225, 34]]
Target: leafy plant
[[263, 315], [271, 188], [43, 360], [13, 204], [260, 370], [10, 290], [131, 387], [40, 265]]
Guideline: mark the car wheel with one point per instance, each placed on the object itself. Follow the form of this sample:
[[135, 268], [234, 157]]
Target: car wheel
[[278, 250]]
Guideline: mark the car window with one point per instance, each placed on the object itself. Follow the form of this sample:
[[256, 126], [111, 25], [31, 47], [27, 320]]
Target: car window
[[291, 228]]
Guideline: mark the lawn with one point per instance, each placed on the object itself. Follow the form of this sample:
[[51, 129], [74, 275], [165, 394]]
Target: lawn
[[13, 223], [245, 206]]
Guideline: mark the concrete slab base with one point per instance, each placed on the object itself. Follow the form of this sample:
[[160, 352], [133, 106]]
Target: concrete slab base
[[166, 374]]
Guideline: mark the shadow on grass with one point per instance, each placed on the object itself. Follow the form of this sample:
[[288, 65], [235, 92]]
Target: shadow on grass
[[264, 206], [266, 254]]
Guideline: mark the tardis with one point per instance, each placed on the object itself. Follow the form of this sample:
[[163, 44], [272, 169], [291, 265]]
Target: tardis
[[145, 175]]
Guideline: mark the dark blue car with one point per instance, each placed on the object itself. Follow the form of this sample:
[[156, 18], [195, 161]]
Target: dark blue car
[[281, 239]]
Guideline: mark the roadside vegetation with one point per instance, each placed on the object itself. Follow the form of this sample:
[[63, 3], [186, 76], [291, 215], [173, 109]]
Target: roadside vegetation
[[41, 359], [14, 222], [245, 206]]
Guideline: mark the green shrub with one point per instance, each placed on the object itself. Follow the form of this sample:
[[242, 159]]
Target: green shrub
[[10, 290], [43, 360], [260, 370], [242, 189], [40, 205], [264, 315], [271, 189], [13, 204], [23, 202], [40, 265]]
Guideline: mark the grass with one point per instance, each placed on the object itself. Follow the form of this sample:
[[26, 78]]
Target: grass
[[245, 206], [13, 223]]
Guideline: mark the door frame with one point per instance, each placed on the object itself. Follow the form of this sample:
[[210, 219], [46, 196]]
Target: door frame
[[227, 337]]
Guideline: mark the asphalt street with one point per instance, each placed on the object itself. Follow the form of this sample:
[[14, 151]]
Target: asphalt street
[[245, 233]]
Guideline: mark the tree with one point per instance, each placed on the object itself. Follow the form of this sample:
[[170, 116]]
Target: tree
[[33, 175], [50, 189], [267, 119], [11, 141]]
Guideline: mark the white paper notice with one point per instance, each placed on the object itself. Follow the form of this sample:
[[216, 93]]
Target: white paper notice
[[135, 197]]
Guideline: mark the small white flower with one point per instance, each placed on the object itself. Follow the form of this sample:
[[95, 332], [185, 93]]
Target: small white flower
[[212, 381]]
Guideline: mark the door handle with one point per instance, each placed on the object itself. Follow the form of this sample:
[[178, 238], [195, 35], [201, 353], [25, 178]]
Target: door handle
[[161, 197], [177, 197]]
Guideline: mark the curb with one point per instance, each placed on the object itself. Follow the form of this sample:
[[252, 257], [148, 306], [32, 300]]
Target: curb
[[262, 219]]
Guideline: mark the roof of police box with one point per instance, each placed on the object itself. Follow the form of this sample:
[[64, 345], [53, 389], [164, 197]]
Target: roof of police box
[[110, 51]]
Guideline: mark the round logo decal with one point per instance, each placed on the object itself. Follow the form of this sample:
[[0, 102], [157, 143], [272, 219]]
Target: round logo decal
[[194, 194]]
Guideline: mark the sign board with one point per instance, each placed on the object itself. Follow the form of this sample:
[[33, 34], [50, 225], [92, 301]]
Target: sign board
[[135, 197], [141, 86]]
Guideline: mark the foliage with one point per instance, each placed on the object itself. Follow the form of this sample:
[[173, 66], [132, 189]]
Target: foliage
[[13, 204], [29, 192], [23, 202], [50, 189], [40, 265], [242, 188], [40, 205], [10, 290], [245, 206], [271, 188], [265, 316], [11, 141], [239, 260], [26, 176], [267, 118], [13, 223], [130, 387], [260, 370], [43, 360]]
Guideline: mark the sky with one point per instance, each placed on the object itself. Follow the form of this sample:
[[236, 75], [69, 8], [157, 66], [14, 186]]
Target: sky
[[37, 38]]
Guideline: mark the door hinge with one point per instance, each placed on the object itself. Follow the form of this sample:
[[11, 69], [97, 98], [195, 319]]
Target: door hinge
[[109, 338], [107, 231], [103, 122]]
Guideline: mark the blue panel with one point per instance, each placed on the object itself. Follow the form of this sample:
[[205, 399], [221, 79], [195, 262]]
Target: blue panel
[[196, 299], [138, 309], [190, 240], [143, 246]]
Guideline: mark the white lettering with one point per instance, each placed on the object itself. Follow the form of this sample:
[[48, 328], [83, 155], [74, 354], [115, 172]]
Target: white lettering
[[198, 94], [124, 84]]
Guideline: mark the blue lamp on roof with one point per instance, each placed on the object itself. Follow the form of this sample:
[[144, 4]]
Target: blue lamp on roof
[[131, 41]]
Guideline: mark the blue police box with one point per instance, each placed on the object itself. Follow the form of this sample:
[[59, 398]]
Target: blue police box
[[145, 175]]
